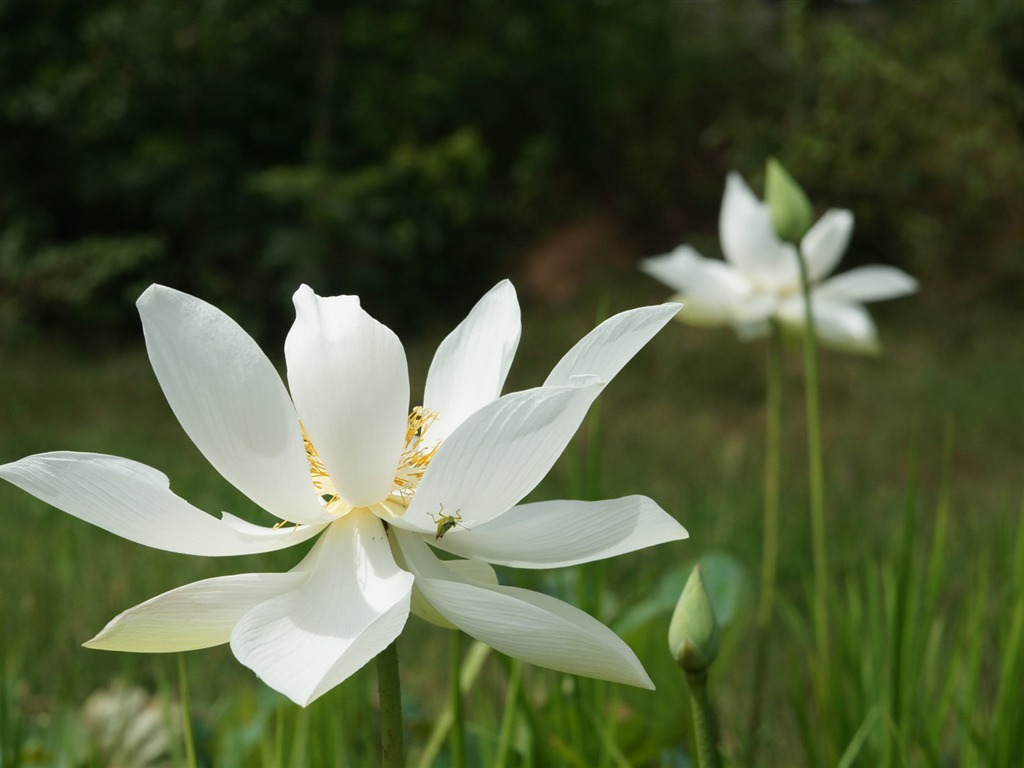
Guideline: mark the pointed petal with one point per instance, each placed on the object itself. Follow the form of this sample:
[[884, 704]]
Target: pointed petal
[[352, 606], [847, 327], [350, 383], [527, 625], [871, 283], [470, 570], [198, 615], [230, 401], [135, 502], [499, 454], [553, 534], [606, 349], [825, 243], [710, 290], [749, 241], [470, 366]]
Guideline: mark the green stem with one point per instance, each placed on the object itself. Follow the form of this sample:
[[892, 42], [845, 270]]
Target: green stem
[[390, 688], [770, 546], [703, 728], [816, 482], [457, 738], [186, 714], [508, 718]]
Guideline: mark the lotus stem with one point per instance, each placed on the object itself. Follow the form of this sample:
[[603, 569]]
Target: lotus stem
[[770, 546], [186, 714], [816, 483], [703, 720], [390, 689]]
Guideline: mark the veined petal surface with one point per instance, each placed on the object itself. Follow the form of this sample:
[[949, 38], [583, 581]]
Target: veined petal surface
[[606, 349], [499, 454], [871, 283], [350, 383], [470, 365], [353, 604], [135, 502], [554, 534], [749, 241], [469, 570], [230, 401], [825, 243], [197, 615], [527, 625]]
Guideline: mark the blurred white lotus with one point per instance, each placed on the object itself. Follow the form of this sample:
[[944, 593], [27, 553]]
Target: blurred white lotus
[[760, 278]]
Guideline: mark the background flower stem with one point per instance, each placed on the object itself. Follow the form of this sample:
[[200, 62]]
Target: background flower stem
[[816, 483], [457, 736], [770, 544], [390, 688], [186, 714]]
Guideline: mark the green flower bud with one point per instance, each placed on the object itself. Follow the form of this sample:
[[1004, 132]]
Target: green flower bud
[[791, 211], [694, 636]]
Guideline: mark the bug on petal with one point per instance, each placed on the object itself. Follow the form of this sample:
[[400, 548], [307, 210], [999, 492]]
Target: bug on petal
[[445, 522]]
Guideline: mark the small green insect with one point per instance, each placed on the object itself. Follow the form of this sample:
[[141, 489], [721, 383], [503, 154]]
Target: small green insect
[[445, 522]]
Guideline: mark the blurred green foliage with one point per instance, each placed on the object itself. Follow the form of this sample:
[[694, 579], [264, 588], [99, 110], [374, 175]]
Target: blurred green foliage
[[407, 150]]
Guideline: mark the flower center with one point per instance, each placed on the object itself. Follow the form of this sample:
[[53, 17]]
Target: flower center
[[411, 465]]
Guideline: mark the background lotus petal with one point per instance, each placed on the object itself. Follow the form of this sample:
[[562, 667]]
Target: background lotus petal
[[350, 384], [197, 615], [470, 365], [135, 502], [825, 243], [840, 325], [749, 241], [870, 283], [554, 534], [353, 604], [230, 400]]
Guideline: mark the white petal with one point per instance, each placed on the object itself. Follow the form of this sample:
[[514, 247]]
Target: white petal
[[606, 349], [847, 327], [353, 605], [749, 241], [499, 454], [230, 400], [350, 383], [527, 625], [197, 615], [710, 290], [470, 570], [871, 283], [552, 534], [470, 366], [825, 243], [135, 502]]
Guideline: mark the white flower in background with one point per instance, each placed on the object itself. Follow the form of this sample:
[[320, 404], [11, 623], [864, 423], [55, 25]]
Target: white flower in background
[[760, 277], [342, 457]]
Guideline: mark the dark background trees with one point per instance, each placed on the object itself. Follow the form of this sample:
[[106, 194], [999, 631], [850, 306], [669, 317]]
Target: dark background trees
[[410, 151]]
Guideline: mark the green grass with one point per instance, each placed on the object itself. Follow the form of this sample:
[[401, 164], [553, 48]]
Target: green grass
[[683, 423]]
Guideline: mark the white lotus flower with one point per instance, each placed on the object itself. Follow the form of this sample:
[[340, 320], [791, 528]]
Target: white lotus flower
[[342, 457], [760, 277]]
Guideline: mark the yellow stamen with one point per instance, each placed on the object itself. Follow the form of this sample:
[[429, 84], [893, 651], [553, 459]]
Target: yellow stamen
[[411, 466]]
